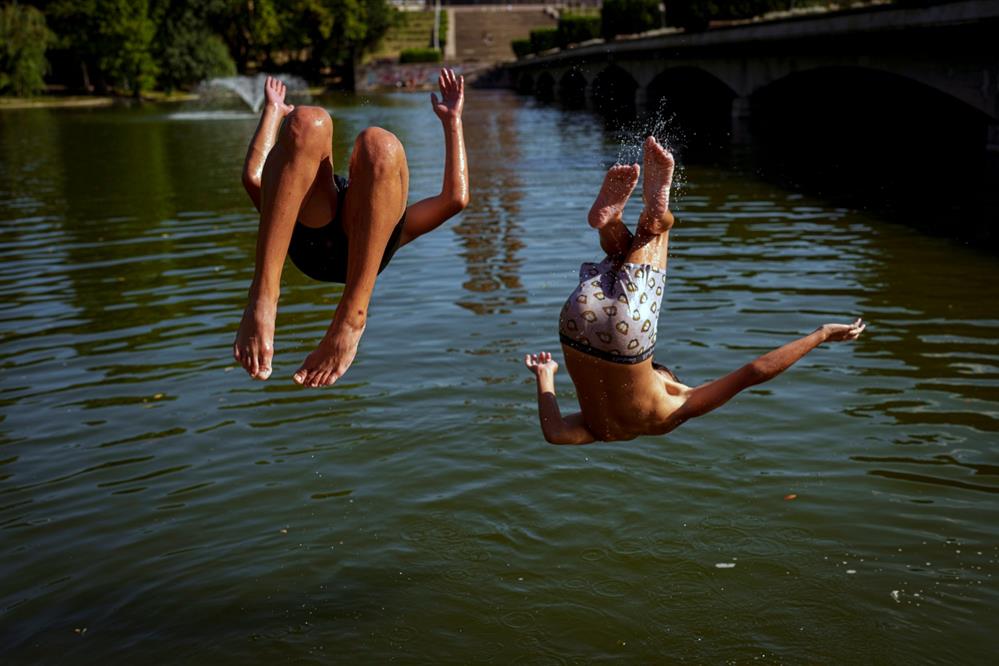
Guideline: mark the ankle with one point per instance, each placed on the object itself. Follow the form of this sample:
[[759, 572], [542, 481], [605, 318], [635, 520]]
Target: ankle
[[349, 316], [263, 298], [656, 219]]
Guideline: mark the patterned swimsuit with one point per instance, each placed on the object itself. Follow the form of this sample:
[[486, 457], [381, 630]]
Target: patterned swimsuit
[[614, 312]]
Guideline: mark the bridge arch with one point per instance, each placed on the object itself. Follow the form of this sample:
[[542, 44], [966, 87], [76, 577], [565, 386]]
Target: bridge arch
[[572, 89], [544, 87], [877, 129], [525, 83], [872, 100], [695, 100], [613, 93]]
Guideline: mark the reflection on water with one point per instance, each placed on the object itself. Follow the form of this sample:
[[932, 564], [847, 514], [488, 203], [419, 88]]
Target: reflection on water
[[490, 228], [153, 496]]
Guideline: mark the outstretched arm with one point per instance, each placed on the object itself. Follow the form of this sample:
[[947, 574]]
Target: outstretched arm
[[571, 429], [713, 395], [428, 214], [263, 139]]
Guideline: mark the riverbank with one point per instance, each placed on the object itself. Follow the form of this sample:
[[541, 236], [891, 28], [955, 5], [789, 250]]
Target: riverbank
[[96, 101], [58, 100], [45, 101]]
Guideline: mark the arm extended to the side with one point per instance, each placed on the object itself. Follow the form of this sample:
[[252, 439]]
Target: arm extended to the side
[[557, 430], [714, 394], [696, 401]]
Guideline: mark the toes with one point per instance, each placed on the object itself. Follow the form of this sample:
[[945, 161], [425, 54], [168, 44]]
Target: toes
[[300, 376]]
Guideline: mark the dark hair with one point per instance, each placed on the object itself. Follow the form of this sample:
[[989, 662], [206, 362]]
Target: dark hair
[[659, 367]]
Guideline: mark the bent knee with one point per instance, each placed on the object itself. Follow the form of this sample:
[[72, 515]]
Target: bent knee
[[379, 148], [310, 126]]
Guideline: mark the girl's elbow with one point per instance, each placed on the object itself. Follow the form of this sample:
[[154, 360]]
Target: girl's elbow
[[757, 373], [459, 203], [251, 182]]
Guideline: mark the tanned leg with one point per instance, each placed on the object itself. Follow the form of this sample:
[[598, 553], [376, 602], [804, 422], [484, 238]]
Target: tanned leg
[[376, 200], [605, 214], [288, 179], [651, 240]]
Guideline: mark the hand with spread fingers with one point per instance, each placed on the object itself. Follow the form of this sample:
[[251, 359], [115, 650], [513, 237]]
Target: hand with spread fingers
[[452, 100], [275, 91]]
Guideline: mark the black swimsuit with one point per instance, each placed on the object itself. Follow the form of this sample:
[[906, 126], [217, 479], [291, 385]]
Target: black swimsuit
[[321, 253]]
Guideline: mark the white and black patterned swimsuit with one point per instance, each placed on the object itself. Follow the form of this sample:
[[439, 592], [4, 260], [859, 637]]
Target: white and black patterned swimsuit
[[614, 312]]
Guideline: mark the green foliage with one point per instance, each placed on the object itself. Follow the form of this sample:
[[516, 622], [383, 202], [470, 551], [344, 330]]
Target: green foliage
[[544, 39], [420, 55], [111, 37], [127, 45], [250, 27], [521, 47], [696, 14], [337, 32], [24, 37], [625, 17], [185, 48], [576, 28]]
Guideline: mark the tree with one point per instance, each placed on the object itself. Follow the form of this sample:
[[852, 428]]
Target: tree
[[358, 26], [184, 47], [623, 17], [249, 28], [111, 39], [24, 36]]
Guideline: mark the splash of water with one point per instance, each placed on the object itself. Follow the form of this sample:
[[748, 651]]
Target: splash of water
[[250, 89], [662, 125]]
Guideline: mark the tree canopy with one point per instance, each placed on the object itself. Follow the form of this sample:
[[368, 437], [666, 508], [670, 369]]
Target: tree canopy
[[132, 45]]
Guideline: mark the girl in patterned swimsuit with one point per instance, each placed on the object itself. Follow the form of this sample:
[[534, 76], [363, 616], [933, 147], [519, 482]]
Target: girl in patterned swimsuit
[[608, 327]]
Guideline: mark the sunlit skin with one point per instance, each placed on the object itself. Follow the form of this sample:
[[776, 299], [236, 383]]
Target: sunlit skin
[[619, 401], [288, 174]]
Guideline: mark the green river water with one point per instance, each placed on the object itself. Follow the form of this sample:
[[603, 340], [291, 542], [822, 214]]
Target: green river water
[[157, 506]]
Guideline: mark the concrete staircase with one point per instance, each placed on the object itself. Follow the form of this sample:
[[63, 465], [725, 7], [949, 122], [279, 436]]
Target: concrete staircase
[[483, 32], [415, 32]]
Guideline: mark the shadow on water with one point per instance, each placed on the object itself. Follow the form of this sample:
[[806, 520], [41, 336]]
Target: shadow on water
[[875, 141], [851, 136]]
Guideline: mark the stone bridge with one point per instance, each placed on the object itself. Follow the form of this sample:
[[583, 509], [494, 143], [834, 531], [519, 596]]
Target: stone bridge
[[920, 68]]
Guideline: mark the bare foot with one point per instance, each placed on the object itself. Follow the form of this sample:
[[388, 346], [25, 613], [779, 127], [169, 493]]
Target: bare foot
[[332, 357], [655, 188], [618, 185], [254, 346]]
